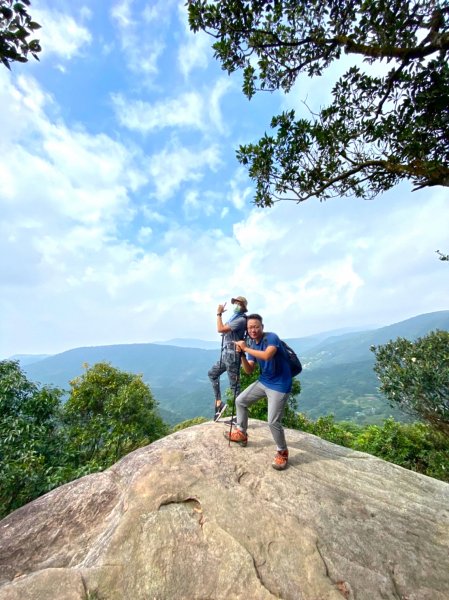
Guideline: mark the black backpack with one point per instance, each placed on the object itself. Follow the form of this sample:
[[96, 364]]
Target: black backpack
[[294, 362]]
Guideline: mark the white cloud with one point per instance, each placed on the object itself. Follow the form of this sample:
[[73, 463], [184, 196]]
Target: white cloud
[[142, 46], [177, 164], [194, 52], [196, 204], [241, 192], [73, 199], [347, 262], [186, 110], [152, 215], [121, 12], [298, 286], [83, 178], [158, 11], [144, 235], [23, 106], [143, 293], [221, 87], [62, 34], [191, 202]]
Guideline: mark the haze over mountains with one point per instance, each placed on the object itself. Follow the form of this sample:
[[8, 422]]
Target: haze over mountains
[[338, 374]]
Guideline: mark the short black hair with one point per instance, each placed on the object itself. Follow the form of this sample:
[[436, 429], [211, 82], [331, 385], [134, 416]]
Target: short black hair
[[254, 316]]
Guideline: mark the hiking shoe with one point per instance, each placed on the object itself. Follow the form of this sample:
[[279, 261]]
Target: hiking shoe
[[236, 436], [280, 460], [219, 410], [232, 422]]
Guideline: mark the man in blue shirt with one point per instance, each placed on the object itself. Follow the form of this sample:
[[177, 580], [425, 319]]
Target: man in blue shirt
[[274, 383], [232, 331]]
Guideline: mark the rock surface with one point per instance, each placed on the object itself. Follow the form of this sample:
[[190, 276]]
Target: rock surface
[[191, 518]]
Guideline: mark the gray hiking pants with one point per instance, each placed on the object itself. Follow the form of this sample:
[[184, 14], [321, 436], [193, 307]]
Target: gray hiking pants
[[276, 405], [230, 362]]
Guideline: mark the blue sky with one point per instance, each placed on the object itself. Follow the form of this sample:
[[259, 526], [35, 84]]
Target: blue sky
[[125, 216]]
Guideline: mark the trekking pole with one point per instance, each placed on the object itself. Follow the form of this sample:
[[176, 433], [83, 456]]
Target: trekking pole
[[235, 395], [221, 351], [221, 359]]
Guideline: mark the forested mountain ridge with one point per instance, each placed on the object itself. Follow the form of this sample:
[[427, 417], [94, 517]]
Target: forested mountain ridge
[[177, 376], [353, 347], [338, 376]]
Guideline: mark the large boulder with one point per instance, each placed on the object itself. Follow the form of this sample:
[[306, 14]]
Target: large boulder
[[189, 517]]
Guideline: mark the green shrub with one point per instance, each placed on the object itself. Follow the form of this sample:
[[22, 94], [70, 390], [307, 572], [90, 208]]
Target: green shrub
[[415, 446]]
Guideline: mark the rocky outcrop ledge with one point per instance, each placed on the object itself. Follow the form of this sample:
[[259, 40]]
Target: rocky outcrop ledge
[[191, 518]]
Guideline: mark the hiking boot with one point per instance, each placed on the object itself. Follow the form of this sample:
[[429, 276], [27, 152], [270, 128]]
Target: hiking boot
[[280, 460], [219, 410], [236, 436]]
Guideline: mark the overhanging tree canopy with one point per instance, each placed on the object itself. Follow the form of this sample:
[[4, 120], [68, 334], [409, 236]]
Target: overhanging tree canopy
[[16, 26], [379, 129]]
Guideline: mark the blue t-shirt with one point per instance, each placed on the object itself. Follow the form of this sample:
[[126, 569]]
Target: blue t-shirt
[[275, 373]]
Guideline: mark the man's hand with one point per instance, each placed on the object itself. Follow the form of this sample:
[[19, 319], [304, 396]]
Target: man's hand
[[221, 309], [241, 346]]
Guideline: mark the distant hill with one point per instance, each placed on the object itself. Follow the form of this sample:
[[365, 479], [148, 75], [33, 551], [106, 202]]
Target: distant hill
[[352, 347], [348, 391], [177, 376], [214, 345], [28, 359], [192, 343], [338, 374]]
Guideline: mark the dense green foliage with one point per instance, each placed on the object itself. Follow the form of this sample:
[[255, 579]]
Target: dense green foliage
[[44, 443], [109, 413], [415, 446], [415, 376], [30, 440], [16, 26], [387, 122]]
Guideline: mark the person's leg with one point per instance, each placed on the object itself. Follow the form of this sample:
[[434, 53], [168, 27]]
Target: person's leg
[[233, 364], [250, 395], [214, 375], [276, 406]]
